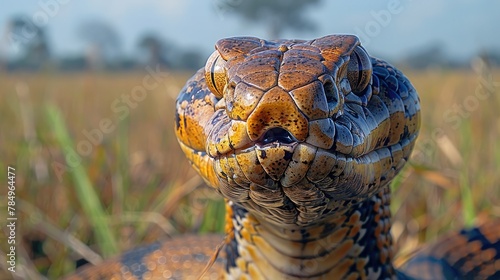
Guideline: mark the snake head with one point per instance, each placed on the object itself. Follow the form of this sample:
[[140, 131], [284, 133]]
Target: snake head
[[297, 130]]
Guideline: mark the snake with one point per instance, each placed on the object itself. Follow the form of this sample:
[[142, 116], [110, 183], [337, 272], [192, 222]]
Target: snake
[[302, 139]]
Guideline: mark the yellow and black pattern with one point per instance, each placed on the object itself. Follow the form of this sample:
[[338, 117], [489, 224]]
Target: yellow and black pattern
[[354, 245], [303, 129], [181, 258], [302, 139], [468, 254]]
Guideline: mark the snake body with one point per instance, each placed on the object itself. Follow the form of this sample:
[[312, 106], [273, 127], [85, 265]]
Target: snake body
[[302, 139]]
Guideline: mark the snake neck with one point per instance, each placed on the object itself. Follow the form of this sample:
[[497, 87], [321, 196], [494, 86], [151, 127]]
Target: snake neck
[[355, 244]]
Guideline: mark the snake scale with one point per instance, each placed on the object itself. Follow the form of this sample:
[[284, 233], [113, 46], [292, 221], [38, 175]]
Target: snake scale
[[302, 139]]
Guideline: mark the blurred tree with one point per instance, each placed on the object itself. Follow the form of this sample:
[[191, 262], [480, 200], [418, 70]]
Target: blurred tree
[[156, 49], [30, 41], [72, 63], [431, 56], [190, 60], [103, 41], [277, 15], [166, 54], [490, 56]]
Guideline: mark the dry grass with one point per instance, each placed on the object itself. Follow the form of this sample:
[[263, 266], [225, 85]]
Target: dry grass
[[145, 190], [453, 179]]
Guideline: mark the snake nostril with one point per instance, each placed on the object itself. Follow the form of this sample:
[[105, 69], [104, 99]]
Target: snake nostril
[[277, 135]]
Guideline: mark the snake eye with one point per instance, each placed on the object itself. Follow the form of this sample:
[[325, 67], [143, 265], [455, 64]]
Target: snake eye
[[215, 74], [359, 70]]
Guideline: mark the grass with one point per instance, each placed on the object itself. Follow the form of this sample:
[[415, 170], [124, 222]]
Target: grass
[[134, 185], [453, 178], [88, 198]]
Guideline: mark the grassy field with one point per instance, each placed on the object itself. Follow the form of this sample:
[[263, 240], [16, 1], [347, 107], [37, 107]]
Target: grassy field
[[98, 169]]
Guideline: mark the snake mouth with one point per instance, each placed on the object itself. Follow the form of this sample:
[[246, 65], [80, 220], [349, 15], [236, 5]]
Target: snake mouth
[[297, 133], [294, 183], [277, 134], [340, 161]]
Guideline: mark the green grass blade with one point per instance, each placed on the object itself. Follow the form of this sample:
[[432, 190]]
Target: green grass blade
[[83, 187], [468, 212], [466, 141], [214, 219], [122, 184]]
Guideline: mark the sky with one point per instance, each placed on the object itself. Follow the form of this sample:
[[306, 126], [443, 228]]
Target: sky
[[388, 28]]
